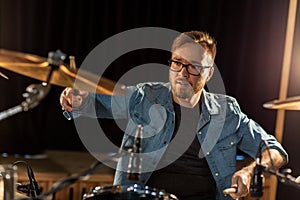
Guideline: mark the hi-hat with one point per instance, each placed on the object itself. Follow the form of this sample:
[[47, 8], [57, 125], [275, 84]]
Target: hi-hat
[[291, 103], [39, 68]]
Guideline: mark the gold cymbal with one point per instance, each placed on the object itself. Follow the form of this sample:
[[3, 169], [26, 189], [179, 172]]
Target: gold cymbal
[[291, 103], [39, 68]]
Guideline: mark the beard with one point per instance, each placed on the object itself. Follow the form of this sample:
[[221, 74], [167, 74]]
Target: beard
[[183, 93], [183, 89]]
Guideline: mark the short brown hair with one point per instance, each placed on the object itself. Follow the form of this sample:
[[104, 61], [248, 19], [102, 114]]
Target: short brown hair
[[200, 37]]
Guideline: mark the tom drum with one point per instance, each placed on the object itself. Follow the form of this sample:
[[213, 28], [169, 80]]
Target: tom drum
[[130, 192]]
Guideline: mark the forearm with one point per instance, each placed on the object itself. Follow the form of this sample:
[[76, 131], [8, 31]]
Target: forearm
[[269, 158], [273, 158], [241, 179]]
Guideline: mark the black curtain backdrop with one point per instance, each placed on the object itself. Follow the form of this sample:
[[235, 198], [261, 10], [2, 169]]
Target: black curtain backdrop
[[250, 36]]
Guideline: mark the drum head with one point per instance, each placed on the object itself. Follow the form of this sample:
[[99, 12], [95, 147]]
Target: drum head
[[127, 192]]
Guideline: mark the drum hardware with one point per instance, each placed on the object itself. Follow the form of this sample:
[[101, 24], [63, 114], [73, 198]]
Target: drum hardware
[[291, 103], [256, 185], [65, 182], [57, 186], [284, 177], [35, 93], [135, 191], [54, 71], [9, 177], [23, 188], [127, 192], [13, 190], [32, 189], [135, 160], [51, 71]]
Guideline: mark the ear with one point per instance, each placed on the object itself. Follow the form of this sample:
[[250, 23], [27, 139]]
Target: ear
[[210, 73]]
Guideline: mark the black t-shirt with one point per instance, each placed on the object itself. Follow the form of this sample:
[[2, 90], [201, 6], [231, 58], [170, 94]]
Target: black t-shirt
[[189, 177]]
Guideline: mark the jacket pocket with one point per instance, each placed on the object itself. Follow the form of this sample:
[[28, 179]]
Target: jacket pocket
[[227, 148]]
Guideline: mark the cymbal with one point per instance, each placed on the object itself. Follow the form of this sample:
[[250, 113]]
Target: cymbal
[[39, 68], [291, 103]]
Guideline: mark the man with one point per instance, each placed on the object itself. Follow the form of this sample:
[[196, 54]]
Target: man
[[190, 136]]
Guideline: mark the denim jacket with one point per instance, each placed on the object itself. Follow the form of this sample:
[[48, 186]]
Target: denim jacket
[[222, 129]]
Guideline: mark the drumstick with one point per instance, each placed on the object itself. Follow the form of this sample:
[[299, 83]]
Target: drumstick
[[233, 189]]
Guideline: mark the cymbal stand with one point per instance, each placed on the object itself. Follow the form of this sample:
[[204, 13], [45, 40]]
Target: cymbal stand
[[36, 92], [55, 59]]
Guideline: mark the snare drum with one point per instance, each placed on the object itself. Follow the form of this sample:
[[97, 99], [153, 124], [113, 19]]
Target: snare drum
[[130, 192]]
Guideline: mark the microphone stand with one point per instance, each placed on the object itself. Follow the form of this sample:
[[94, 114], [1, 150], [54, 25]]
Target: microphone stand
[[135, 160], [65, 182], [256, 186], [31, 189], [282, 177], [133, 171]]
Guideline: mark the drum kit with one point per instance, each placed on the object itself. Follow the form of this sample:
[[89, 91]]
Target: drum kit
[[53, 70], [130, 192]]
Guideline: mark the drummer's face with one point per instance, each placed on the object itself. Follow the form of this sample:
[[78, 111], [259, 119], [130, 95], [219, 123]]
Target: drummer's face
[[185, 85]]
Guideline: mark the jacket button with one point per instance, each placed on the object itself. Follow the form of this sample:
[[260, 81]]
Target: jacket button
[[207, 153], [231, 143], [217, 174]]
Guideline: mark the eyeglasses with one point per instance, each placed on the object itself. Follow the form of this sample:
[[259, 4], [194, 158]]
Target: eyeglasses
[[192, 69]]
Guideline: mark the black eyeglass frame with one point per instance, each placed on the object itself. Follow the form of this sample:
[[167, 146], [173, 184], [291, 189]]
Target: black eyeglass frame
[[199, 68]]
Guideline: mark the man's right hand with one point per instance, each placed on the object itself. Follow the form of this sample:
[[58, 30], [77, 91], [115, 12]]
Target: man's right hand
[[71, 98]]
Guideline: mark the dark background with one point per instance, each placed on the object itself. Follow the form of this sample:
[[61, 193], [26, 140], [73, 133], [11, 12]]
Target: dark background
[[250, 36]]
